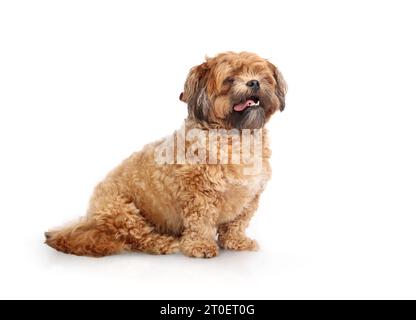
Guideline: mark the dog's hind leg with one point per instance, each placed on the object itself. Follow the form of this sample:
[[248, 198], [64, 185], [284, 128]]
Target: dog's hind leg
[[121, 218]]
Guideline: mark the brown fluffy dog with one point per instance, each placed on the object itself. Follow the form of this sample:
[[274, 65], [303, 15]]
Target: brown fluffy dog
[[192, 207]]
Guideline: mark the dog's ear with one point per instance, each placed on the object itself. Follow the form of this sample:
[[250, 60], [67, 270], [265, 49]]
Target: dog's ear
[[194, 93], [195, 81], [281, 87]]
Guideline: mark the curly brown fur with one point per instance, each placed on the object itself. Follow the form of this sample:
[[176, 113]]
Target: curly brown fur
[[159, 209]]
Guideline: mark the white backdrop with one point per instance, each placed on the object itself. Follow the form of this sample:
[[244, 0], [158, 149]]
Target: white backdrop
[[83, 82]]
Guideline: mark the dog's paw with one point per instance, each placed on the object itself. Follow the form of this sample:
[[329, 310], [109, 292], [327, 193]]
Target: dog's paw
[[238, 243], [200, 248]]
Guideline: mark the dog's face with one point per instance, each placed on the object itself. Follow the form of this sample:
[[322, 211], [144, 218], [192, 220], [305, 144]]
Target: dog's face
[[234, 90]]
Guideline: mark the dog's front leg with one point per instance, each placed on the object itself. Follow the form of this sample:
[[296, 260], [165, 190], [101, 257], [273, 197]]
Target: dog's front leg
[[198, 237], [232, 236]]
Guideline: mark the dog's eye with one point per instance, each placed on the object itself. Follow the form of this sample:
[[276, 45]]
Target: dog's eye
[[229, 80], [269, 80]]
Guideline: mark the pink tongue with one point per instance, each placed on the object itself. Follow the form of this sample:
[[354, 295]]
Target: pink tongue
[[244, 105]]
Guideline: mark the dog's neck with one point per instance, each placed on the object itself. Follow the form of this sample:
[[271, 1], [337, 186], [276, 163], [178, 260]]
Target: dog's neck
[[191, 124]]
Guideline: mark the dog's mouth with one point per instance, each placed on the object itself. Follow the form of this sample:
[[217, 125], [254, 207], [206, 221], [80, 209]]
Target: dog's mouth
[[252, 101]]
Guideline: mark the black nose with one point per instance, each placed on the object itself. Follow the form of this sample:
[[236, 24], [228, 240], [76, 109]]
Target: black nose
[[253, 84]]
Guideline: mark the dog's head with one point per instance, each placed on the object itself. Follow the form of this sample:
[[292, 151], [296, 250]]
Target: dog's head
[[234, 90]]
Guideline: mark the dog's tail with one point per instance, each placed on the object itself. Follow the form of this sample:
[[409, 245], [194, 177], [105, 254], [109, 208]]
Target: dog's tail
[[83, 239], [86, 238]]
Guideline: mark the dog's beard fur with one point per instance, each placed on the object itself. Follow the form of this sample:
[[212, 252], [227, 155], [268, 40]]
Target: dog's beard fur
[[250, 118]]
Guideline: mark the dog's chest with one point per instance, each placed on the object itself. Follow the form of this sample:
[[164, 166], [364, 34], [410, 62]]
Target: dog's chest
[[239, 193]]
